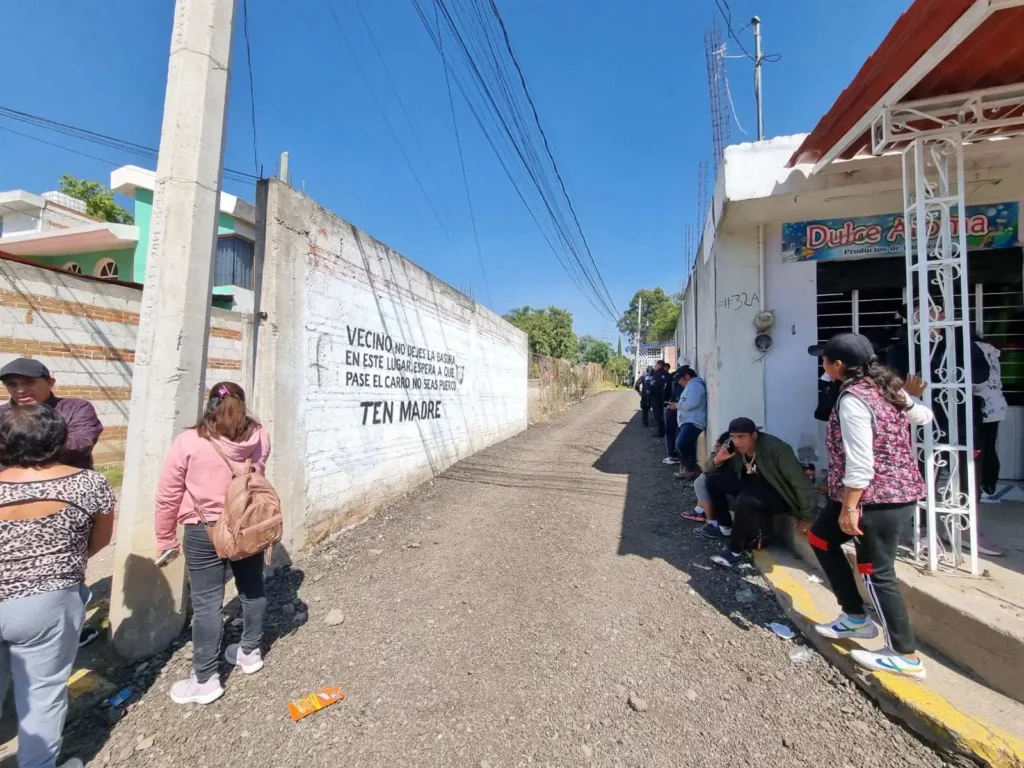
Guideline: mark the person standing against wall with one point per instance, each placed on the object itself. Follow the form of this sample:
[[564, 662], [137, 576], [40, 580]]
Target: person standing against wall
[[693, 420], [991, 410], [874, 484], [29, 382], [195, 478], [659, 387], [675, 388]]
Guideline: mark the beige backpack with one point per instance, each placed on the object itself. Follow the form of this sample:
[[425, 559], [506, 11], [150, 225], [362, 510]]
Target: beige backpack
[[251, 522]]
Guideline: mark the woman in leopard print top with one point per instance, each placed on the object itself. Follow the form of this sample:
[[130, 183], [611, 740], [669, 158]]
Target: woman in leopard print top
[[52, 518]]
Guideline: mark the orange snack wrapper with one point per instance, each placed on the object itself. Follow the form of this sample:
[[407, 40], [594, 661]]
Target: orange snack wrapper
[[307, 705]]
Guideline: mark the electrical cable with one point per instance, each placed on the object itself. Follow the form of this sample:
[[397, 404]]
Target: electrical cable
[[100, 139], [462, 163], [493, 79], [252, 88], [387, 121]]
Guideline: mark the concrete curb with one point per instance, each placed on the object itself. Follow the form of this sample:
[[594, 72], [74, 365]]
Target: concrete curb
[[927, 713]]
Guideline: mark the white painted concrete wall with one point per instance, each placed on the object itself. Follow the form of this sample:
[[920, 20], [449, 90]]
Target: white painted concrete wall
[[366, 432], [791, 390]]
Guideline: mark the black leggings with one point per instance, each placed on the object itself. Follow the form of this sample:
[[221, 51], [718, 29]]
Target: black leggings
[[756, 503], [876, 562]]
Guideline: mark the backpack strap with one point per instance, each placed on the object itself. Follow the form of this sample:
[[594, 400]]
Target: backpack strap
[[220, 453]]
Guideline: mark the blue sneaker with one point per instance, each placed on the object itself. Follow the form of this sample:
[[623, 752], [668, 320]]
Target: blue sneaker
[[709, 531], [845, 627], [727, 558], [889, 661]]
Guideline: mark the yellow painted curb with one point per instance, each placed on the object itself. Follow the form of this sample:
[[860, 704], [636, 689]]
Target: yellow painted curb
[[986, 743], [85, 681]]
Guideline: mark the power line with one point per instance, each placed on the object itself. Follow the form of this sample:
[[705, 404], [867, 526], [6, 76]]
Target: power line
[[462, 163], [726, 11], [100, 139], [252, 89], [502, 94], [387, 121]]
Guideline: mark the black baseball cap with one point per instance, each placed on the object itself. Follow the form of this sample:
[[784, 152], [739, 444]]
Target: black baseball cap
[[849, 348], [742, 426], [684, 370], [23, 366]]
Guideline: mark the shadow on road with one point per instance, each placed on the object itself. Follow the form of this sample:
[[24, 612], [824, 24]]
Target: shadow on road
[[652, 527]]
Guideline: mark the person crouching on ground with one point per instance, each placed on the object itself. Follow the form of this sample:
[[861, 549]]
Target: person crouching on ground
[[196, 476], [766, 478], [692, 411], [53, 517], [704, 512], [874, 483]]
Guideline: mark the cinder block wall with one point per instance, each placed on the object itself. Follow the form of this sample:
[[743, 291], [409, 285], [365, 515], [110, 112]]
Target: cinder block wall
[[84, 332], [372, 374]]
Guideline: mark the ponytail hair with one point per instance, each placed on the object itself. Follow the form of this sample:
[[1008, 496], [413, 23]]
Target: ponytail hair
[[225, 415], [884, 379]]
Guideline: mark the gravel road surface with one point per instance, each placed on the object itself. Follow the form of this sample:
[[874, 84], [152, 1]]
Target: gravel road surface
[[540, 603]]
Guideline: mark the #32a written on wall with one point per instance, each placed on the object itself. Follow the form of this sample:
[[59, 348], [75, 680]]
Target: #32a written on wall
[[986, 227], [375, 360]]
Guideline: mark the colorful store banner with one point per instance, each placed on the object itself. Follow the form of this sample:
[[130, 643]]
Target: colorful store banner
[[988, 226]]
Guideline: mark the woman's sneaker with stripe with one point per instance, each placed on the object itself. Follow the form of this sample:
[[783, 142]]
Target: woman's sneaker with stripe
[[890, 661], [848, 627]]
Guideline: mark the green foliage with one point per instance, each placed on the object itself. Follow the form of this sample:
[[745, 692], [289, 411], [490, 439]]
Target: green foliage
[[618, 352], [621, 367], [98, 199], [593, 350], [659, 315], [550, 330]]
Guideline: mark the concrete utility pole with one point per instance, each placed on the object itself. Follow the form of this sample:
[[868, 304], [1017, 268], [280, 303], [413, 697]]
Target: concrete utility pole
[[286, 172], [146, 604], [756, 22]]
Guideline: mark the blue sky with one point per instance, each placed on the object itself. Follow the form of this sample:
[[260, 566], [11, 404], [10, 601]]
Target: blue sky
[[621, 89]]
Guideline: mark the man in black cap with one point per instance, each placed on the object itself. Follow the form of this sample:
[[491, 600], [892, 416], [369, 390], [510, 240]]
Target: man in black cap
[[29, 382], [765, 476]]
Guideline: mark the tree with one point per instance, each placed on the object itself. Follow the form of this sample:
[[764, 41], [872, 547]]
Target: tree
[[621, 367], [618, 352], [98, 199], [593, 350], [656, 318], [550, 330]]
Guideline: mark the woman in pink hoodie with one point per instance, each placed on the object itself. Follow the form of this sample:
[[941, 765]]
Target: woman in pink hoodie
[[195, 475]]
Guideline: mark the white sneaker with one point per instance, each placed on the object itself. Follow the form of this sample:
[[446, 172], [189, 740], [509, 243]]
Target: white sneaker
[[890, 661], [990, 498], [250, 663], [842, 628], [192, 692], [669, 461]]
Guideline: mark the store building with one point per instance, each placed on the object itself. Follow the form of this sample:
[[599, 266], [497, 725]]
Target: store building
[[826, 253]]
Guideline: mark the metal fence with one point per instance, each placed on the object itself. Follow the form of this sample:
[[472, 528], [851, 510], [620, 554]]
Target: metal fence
[[556, 384]]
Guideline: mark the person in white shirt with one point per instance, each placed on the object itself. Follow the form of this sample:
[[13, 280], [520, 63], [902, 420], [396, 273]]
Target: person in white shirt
[[874, 484]]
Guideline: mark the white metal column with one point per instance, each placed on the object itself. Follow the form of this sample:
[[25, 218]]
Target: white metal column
[[938, 316]]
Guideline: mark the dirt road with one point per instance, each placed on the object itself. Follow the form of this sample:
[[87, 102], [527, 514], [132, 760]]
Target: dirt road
[[541, 603]]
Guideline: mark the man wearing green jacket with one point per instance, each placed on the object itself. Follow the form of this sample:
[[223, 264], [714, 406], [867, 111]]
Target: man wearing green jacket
[[766, 478]]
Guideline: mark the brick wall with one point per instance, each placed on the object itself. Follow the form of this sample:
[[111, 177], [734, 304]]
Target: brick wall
[[84, 332]]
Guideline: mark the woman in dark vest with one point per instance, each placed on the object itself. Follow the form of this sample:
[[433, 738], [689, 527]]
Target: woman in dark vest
[[874, 483]]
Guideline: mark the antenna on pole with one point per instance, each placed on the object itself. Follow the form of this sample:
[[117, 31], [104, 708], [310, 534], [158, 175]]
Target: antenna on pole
[[714, 51], [756, 23]]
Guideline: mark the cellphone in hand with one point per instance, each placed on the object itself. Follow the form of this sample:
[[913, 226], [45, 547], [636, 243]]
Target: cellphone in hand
[[166, 557], [729, 446]]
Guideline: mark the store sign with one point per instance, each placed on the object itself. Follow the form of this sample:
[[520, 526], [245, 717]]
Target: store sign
[[988, 226]]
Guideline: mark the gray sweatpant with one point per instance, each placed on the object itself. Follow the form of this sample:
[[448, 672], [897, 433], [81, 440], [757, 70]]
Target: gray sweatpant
[[38, 643]]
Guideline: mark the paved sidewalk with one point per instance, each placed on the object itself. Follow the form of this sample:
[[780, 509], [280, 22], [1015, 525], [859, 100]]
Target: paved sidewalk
[[540, 603]]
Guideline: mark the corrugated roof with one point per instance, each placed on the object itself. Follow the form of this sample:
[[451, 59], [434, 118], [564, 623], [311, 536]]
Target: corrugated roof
[[993, 55]]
